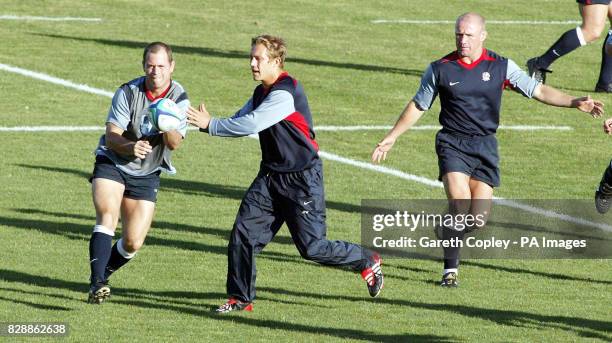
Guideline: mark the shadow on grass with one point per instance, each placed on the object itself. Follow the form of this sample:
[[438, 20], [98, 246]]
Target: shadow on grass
[[581, 326], [178, 297], [553, 276], [195, 188], [247, 319], [581, 90], [35, 305], [405, 268], [82, 232], [179, 227], [243, 55], [176, 301]]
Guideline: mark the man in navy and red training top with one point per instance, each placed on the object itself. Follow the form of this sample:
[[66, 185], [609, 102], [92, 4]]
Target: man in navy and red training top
[[470, 82], [289, 186]]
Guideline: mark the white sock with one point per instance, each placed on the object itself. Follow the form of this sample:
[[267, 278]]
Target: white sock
[[450, 270], [580, 36], [104, 230]]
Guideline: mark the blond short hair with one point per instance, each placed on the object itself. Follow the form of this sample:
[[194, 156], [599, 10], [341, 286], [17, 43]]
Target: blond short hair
[[275, 45]]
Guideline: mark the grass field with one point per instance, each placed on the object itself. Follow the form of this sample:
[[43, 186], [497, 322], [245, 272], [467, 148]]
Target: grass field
[[355, 73]]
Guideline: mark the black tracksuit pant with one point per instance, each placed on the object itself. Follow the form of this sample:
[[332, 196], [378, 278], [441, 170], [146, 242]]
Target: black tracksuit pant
[[297, 199]]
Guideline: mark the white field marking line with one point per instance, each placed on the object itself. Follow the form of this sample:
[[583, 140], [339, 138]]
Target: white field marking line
[[551, 214], [495, 22], [317, 128], [50, 128], [435, 127], [55, 80], [386, 170], [31, 18], [438, 184], [59, 128]]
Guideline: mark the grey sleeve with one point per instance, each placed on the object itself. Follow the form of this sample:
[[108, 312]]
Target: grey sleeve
[[119, 113], [247, 108], [275, 107], [428, 90], [520, 81]]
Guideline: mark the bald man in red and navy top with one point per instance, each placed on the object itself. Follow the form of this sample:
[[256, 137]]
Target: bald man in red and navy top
[[470, 82], [289, 186]]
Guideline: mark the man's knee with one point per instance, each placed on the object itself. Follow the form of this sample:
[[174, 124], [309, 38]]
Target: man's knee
[[592, 32], [107, 213], [239, 234], [457, 185], [132, 245], [314, 251]]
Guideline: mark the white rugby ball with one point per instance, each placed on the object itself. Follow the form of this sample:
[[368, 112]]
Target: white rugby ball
[[165, 114]]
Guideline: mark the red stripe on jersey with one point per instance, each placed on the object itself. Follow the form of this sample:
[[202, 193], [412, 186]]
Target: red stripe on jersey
[[281, 76], [153, 98], [298, 120], [483, 57], [507, 85]]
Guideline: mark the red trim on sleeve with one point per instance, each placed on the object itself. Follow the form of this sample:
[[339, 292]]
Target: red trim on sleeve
[[298, 120], [507, 85]]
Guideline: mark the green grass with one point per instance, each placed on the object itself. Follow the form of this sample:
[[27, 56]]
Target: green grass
[[354, 73]]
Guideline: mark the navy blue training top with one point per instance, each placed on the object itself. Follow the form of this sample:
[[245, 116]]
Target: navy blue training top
[[470, 94], [281, 116]]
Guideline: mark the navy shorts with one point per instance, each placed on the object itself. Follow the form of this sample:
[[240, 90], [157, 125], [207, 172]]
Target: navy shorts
[[475, 156], [136, 187], [593, 2]]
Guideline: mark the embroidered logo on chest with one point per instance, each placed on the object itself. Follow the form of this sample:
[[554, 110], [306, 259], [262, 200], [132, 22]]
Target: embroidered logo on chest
[[486, 76]]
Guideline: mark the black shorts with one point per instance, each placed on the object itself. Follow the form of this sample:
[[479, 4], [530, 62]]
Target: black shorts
[[475, 156], [593, 2], [136, 187]]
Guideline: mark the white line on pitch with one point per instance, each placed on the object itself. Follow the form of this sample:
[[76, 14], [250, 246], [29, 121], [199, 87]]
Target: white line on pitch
[[435, 127], [35, 18], [59, 128], [369, 166], [495, 22], [438, 184], [50, 128], [317, 128], [55, 80]]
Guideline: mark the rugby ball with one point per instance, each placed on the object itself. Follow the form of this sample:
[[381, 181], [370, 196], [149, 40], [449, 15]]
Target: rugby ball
[[165, 115]]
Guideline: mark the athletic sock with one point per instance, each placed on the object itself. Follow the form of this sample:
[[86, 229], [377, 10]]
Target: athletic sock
[[118, 258], [450, 263], [605, 74], [450, 270], [451, 253], [99, 252], [567, 43]]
